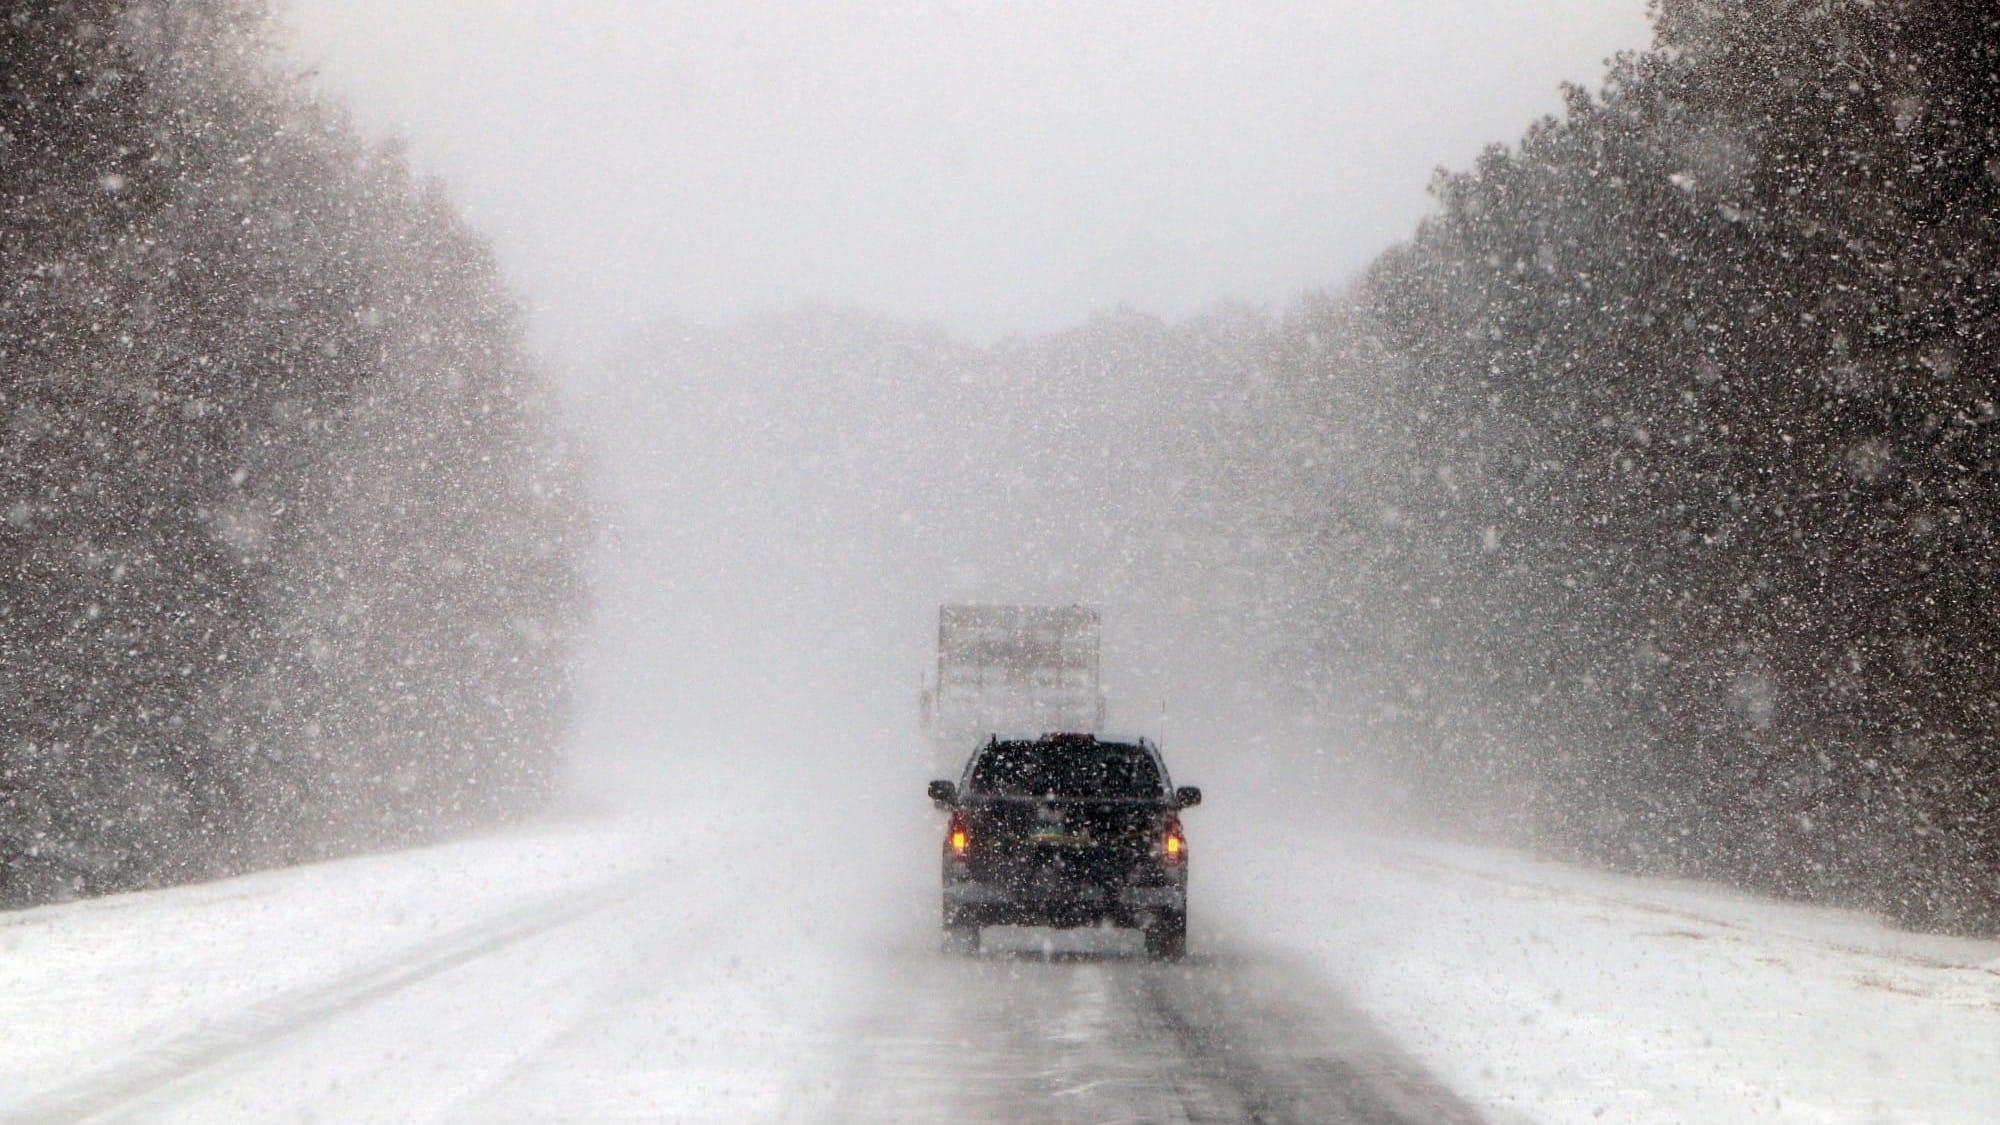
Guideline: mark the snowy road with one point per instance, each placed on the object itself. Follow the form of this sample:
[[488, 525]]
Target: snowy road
[[733, 962], [1081, 1028], [621, 1000], [687, 967]]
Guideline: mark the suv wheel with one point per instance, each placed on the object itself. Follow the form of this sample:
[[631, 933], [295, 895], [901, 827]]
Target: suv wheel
[[1166, 937]]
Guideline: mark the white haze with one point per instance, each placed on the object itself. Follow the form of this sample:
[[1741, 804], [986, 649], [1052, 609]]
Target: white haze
[[992, 168], [777, 540]]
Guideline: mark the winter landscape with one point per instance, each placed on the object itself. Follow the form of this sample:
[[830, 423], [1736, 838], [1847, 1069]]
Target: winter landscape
[[505, 508]]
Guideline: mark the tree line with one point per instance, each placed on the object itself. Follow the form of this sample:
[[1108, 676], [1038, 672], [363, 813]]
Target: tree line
[[1666, 524], [289, 538]]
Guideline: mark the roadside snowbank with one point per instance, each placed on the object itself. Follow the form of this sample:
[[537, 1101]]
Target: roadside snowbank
[[1551, 993]]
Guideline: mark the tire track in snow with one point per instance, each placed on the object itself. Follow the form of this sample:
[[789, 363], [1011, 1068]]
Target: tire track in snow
[[1270, 1043], [1099, 1036]]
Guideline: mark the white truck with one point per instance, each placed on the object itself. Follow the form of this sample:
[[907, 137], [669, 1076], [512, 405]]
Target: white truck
[[1010, 669]]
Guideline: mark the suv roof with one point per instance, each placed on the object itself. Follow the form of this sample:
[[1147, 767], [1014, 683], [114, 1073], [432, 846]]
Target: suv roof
[[1081, 737], [1069, 765]]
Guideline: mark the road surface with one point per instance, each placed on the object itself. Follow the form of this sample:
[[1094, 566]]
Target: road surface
[[1082, 1028], [688, 986]]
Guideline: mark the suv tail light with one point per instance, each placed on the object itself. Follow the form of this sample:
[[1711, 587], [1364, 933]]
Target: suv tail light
[[958, 838], [1173, 848]]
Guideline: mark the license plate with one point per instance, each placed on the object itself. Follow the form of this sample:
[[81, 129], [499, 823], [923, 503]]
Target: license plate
[[1056, 836]]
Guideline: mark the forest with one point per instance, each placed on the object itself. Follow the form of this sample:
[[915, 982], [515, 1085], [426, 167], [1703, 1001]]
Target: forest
[[289, 533], [1673, 526]]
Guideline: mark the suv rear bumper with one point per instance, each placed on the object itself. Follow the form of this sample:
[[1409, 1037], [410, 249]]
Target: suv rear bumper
[[992, 904]]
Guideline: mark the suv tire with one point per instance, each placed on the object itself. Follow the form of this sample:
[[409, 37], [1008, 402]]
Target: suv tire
[[1166, 937], [958, 937]]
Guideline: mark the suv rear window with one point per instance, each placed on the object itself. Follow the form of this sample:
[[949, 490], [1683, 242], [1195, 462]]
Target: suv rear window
[[1043, 769]]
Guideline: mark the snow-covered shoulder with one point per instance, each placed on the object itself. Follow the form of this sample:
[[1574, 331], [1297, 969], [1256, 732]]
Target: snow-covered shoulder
[[1547, 992]]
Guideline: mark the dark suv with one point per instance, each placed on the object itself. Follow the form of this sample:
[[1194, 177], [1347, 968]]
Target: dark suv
[[1065, 830]]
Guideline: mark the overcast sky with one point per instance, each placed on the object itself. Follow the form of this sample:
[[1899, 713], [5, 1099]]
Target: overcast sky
[[994, 168]]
